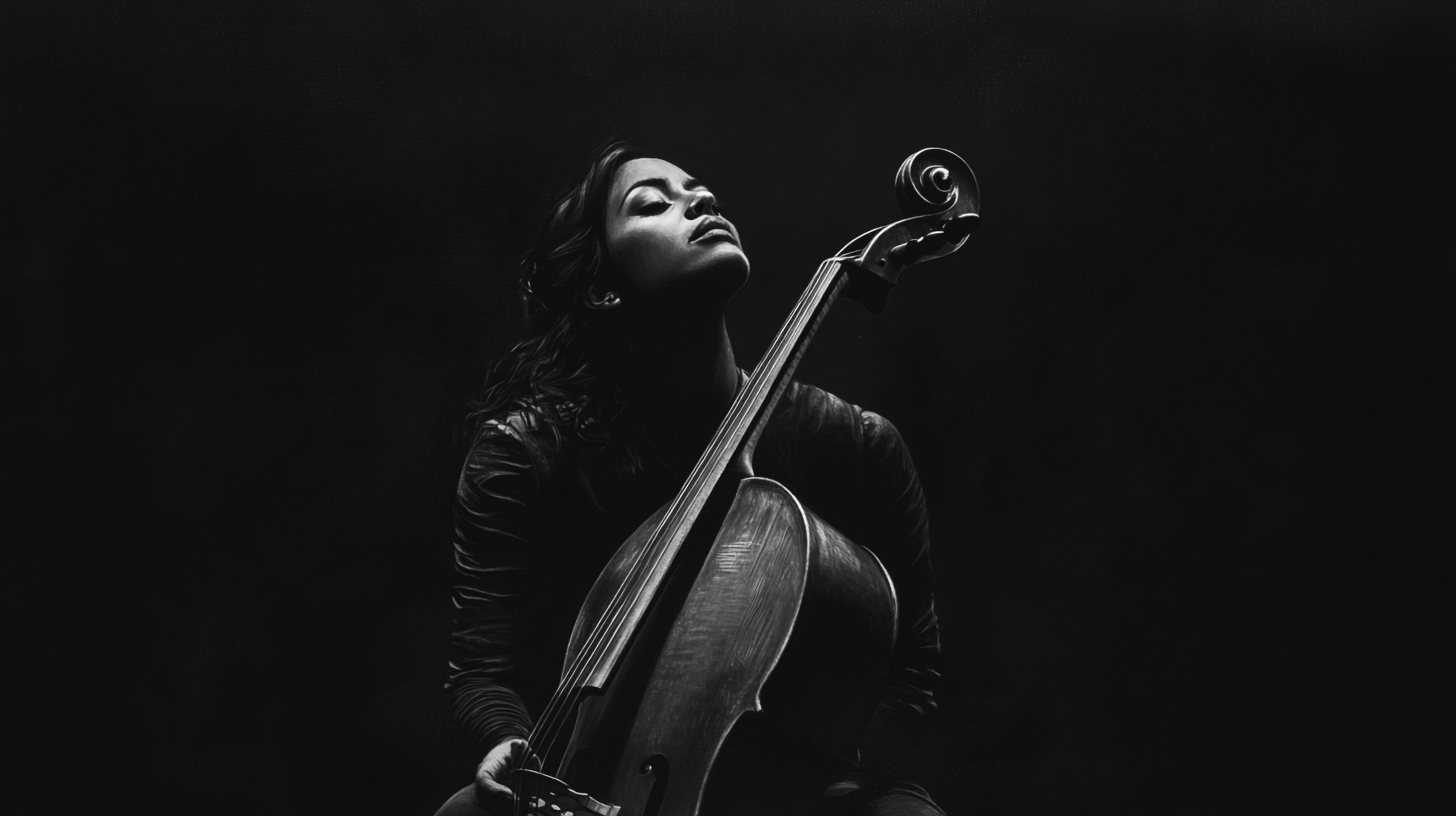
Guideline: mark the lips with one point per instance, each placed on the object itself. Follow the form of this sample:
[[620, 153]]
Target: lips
[[709, 225]]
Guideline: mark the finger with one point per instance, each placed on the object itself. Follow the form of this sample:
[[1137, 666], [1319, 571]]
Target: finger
[[496, 789], [494, 797], [489, 776], [487, 772]]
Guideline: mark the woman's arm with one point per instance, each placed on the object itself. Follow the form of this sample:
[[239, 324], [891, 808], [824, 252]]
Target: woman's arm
[[852, 467], [495, 523], [901, 538]]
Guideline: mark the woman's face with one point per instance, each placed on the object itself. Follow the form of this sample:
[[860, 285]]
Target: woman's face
[[664, 231]]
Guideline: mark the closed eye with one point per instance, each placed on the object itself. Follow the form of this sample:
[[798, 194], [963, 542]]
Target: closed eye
[[652, 208]]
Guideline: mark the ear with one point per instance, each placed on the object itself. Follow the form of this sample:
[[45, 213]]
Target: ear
[[602, 301]]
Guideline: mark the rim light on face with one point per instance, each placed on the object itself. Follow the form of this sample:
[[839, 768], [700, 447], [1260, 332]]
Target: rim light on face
[[663, 230]]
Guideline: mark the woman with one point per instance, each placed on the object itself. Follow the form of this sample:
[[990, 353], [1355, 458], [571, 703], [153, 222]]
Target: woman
[[593, 423]]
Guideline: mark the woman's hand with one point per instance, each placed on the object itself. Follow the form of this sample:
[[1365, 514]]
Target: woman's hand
[[492, 791]]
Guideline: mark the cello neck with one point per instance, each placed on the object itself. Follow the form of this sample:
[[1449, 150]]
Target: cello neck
[[730, 453], [759, 396]]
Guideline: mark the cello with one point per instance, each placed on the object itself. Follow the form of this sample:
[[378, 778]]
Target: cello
[[734, 596]]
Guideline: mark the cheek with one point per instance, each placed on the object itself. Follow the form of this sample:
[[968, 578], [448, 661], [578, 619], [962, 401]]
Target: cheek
[[642, 257]]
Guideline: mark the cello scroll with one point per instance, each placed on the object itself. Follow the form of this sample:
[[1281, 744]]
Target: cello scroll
[[936, 189]]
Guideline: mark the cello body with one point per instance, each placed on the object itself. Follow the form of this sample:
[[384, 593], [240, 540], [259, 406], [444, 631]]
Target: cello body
[[781, 608]]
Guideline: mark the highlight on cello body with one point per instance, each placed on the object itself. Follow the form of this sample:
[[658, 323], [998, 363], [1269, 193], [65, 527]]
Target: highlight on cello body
[[765, 635]]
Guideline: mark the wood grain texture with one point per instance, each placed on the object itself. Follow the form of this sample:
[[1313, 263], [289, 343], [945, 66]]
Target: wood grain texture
[[777, 588]]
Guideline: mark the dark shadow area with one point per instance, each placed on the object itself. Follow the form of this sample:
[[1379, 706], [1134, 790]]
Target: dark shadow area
[[1177, 408]]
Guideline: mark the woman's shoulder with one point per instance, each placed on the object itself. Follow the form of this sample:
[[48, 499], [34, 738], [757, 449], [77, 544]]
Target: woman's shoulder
[[531, 439], [809, 405], [847, 463], [811, 415]]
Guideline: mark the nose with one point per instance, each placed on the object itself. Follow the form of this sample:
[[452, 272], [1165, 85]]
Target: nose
[[702, 203]]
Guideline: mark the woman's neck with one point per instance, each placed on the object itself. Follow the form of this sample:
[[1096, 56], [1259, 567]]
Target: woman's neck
[[682, 380]]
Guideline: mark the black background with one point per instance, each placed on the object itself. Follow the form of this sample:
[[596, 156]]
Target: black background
[[1182, 408]]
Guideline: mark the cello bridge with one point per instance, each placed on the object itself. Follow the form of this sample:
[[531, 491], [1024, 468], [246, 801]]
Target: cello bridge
[[548, 796]]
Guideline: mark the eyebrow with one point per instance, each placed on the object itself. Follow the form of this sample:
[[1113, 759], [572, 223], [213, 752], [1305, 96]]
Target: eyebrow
[[659, 183]]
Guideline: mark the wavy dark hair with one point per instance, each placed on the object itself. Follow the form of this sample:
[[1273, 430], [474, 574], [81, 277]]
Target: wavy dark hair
[[560, 375]]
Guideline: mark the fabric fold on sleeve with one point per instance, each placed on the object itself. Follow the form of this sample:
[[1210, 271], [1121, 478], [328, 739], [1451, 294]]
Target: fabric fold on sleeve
[[902, 541], [495, 523]]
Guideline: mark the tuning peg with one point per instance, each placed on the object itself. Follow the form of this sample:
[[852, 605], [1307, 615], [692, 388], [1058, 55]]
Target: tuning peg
[[912, 251], [960, 226], [902, 254], [931, 241]]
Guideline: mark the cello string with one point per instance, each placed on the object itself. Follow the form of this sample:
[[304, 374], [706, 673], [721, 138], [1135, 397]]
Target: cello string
[[651, 553], [657, 544], [814, 296], [612, 620], [693, 485]]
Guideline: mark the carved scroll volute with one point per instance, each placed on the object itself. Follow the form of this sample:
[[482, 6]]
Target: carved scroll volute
[[938, 192]]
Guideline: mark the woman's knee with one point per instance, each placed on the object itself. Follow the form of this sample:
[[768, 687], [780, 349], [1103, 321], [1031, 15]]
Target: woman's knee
[[897, 800], [900, 804], [463, 803]]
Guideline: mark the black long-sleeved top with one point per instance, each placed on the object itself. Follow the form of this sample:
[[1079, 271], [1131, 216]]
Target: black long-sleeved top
[[537, 517]]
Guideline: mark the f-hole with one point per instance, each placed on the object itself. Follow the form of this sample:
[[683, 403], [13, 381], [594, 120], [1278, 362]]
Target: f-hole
[[656, 767]]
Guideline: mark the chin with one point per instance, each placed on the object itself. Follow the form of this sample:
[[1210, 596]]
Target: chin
[[712, 283], [728, 275]]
